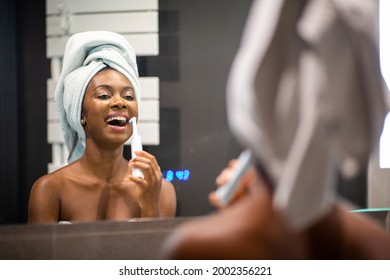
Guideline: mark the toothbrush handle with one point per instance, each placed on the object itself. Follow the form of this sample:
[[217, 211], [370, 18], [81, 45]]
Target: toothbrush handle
[[226, 192], [136, 145]]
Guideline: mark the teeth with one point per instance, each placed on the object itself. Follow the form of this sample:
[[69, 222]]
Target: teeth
[[116, 118]]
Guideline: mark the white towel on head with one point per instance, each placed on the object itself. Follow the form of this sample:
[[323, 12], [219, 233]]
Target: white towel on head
[[306, 95], [86, 54]]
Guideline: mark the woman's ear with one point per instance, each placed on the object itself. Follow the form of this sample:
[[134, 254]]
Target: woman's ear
[[82, 120]]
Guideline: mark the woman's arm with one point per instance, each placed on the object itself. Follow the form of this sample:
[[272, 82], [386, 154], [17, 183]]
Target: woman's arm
[[44, 201]]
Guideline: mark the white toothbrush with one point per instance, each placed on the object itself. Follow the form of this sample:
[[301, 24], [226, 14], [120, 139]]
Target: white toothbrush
[[136, 146], [226, 192]]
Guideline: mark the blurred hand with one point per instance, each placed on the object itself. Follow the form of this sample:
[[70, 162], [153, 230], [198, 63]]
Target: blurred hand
[[224, 177]]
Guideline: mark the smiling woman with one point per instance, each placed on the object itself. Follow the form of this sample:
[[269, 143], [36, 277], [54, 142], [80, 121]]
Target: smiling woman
[[96, 96]]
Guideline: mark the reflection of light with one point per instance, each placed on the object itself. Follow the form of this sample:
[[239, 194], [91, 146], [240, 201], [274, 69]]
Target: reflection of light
[[181, 175], [384, 21], [169, 175], [186, 175]]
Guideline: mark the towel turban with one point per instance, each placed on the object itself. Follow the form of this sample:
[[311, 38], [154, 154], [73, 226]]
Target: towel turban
[[86, 54]]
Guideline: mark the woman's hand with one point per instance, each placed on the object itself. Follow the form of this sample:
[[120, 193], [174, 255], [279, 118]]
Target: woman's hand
[[149, 187]]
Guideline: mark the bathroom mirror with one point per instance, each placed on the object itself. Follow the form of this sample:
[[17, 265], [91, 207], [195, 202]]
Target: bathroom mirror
[[197, 40]]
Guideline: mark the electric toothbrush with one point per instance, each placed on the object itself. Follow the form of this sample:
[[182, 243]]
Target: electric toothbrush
[[225, 193], [136, 146]]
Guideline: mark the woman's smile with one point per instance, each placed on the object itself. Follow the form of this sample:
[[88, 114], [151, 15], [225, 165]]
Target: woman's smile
[[118, 122]]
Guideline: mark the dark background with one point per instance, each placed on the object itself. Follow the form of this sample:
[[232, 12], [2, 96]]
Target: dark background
[[198, 40]]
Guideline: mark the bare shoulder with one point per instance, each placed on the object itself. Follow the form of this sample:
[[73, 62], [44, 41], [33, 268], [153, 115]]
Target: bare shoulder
[[49, 182], [44, 202], [167, 199]]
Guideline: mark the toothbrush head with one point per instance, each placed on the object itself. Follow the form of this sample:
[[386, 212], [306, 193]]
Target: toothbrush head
[[133, 121]]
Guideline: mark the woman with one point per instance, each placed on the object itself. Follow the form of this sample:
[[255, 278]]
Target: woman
[[96, 96]]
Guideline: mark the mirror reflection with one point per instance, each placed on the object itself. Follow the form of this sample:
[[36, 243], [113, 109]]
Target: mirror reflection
[[182, 123], [183, 69]]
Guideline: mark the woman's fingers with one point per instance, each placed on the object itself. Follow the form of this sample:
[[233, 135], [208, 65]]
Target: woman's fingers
[[147, 163]]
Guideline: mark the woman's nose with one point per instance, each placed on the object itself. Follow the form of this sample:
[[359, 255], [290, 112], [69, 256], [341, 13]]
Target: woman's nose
[[117, 102]]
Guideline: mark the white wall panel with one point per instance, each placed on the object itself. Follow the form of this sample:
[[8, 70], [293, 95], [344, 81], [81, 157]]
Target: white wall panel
[[135, 22], [128, 22], [54, 133], [88, 6], [144, 44], [50, 86], [53, 26], [150, 87], [149, 110]]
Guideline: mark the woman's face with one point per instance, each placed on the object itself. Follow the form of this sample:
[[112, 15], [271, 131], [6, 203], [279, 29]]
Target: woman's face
[[109, 103]]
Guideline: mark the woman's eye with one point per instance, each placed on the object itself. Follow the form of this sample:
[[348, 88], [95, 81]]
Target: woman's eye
[[103, 96], [129, 97]]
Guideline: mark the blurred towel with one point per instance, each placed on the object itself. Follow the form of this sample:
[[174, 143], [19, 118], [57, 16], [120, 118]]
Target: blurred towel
[[306, 95], [86, 54]]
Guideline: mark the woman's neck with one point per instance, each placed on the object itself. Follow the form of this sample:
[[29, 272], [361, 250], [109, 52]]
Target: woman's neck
[[104, 163]]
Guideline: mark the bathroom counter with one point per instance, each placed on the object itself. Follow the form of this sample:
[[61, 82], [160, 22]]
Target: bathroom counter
[[105, 240], [136, 239]]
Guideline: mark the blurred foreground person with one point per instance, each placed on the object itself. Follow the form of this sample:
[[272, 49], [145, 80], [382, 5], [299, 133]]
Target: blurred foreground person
[[306, 97]]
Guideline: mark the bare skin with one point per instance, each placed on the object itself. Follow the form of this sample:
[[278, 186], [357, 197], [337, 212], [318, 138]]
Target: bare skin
[[250, 228], [100, 185]]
